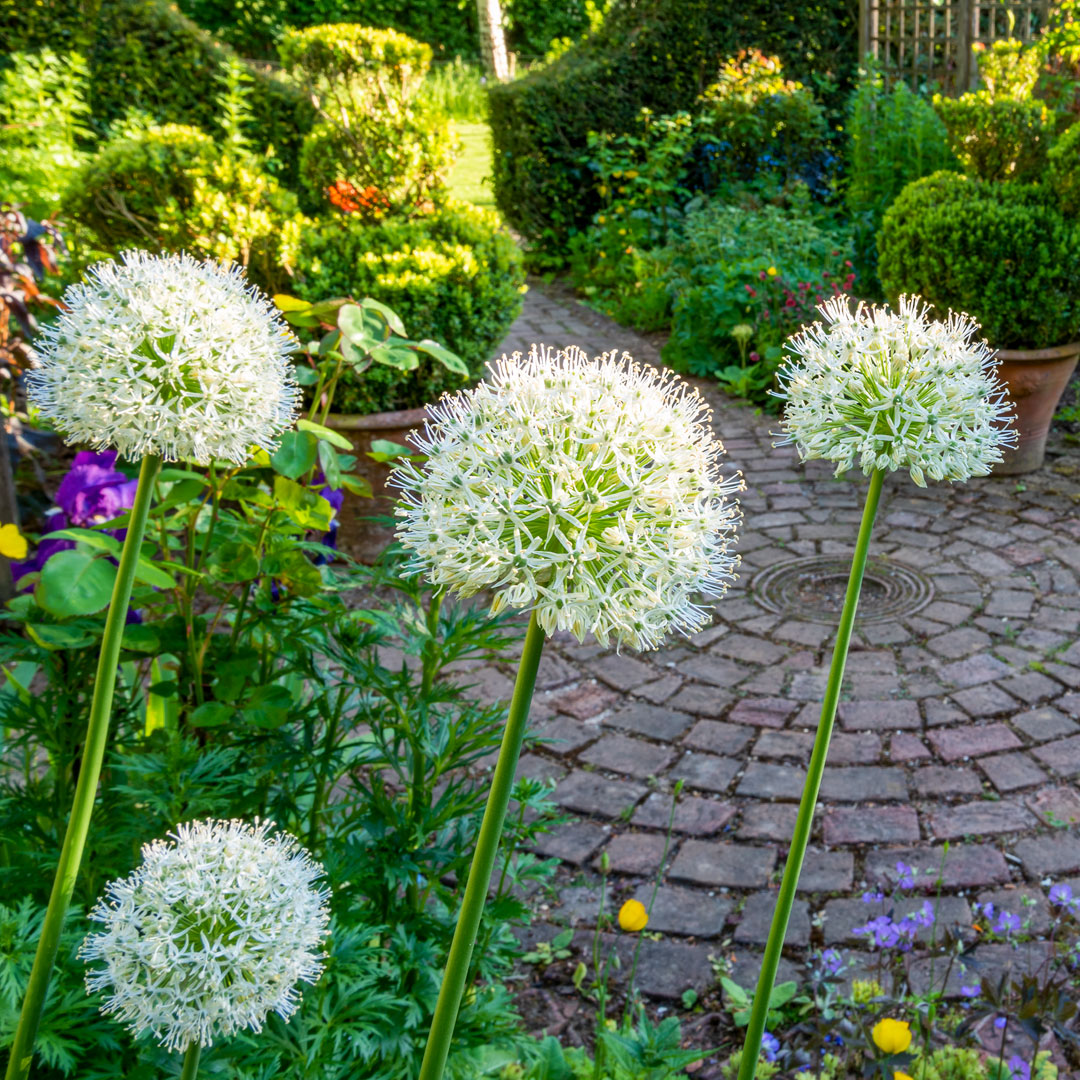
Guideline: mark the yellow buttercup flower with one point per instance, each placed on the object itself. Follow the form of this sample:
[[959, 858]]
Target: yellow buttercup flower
[[902, 1076], [12, 542], [892, 1036], [633, 917], [772, 271]]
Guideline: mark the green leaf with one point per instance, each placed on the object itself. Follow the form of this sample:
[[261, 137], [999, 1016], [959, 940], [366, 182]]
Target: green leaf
[[335, 438], [330, 465], [152, 574], [102, 541], [233, 562], [210, 714], [364, 328], [268, 707], [75, 583], [384, 450], [399, 357], [141, 638], [305, 376], [284, 302], [295, 454], [357, 485], [445, 357], [358, 358], [391, 318], [162, 710], [304, 507], [563, 939], [53, 637], [782, 994]]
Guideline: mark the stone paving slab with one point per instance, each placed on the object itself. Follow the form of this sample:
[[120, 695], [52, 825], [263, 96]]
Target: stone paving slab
[[959, 722]]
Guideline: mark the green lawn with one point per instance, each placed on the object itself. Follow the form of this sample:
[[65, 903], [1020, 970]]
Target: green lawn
[[470, 178]]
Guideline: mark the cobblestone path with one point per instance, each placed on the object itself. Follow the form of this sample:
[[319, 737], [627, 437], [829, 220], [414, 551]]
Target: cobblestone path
[[958, 722]]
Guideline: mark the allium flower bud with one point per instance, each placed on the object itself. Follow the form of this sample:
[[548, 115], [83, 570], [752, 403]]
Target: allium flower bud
[[895, 390], [162, 354], [210, 934], [588, 490]]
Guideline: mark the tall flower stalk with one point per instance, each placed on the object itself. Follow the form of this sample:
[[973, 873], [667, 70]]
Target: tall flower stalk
[[890, 390], [160, 359], [587, 493]]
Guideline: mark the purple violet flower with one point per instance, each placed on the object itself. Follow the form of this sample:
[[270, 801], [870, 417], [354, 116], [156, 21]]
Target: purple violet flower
[[905, 876], [771, 1045], [1062, 896], [1007, 923], [1000, 1022], [1019, 1068]]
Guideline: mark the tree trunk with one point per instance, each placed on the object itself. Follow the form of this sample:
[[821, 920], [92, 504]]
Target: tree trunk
[[492, 39]]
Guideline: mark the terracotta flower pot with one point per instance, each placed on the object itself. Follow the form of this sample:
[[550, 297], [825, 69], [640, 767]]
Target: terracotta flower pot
[[1035, 379], [362, 538]]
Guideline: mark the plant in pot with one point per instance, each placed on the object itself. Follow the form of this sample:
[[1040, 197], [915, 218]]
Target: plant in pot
[[352, 338], [1008, 254]]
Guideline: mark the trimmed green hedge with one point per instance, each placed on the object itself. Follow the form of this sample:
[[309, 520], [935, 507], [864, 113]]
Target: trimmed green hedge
[[656, 53], [1003, 253], [455, 276], [144, 54]]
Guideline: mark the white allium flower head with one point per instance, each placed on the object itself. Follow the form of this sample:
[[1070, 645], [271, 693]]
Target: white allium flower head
[[210, 933], [163, 354], [589, 490], [895, 390]]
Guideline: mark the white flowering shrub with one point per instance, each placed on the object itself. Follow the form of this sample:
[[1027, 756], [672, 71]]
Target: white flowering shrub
[[167, 355], [895, 390], [588, 490], [210, 934]]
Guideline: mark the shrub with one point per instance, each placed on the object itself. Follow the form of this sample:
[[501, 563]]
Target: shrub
[[172, 188], [659, 54], [1064, 171], [997, 138], [760, 267], [145, 55], [377, 134], [759, 119], [894, 137], [42, 115], [1004, 253], [454, 275]]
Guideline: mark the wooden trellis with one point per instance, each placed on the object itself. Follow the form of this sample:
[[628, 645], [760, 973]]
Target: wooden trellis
[[928, 42]]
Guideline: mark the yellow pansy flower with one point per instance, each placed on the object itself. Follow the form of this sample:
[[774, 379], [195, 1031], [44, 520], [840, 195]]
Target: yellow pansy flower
[[633, 917], [12, 542], [891, 1036]]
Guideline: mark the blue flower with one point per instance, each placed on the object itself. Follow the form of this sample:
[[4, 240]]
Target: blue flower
[[1019, 1068], [1000, 1022], [1062, 896], [771, 1045], [1007, 923], [905, 875]]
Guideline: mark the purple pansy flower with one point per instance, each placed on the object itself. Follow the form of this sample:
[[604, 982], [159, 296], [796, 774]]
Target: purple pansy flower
[[93, 491]]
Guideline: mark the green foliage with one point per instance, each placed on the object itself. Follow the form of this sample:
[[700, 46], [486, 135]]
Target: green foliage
[[894, 137], [454, 275], [377, 135], [1064, 170], [748, 265], [456, 89], [1004, 253], [284, 702], [173, 188], [760, 118], [43, 114], [145, 55], [657, 54], [1009, 69], [997, 138]]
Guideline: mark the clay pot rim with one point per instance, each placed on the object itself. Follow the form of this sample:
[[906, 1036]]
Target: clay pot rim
[[385, 421], [1053, 352]]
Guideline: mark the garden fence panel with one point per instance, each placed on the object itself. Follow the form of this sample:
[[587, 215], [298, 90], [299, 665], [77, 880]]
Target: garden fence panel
[[929, 42]]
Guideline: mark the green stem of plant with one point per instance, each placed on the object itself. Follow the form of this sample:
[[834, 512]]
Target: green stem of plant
[[804, 822], [487, 846], [97, 735], [191, 1062]]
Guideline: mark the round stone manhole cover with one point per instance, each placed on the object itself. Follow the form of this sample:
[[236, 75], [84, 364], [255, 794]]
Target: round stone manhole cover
[[813, 588]]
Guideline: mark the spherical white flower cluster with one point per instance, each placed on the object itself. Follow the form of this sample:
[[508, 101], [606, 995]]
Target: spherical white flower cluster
[[895, 390], [162, 354], [588, 490], [210, 933]]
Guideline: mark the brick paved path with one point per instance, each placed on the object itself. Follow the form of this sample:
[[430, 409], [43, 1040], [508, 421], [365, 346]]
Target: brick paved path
[[958, 722]]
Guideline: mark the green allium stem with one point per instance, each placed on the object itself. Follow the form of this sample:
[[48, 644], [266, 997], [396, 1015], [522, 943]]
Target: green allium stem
[[191, 1062], [487, 846], [97, 734], [804, 822]]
